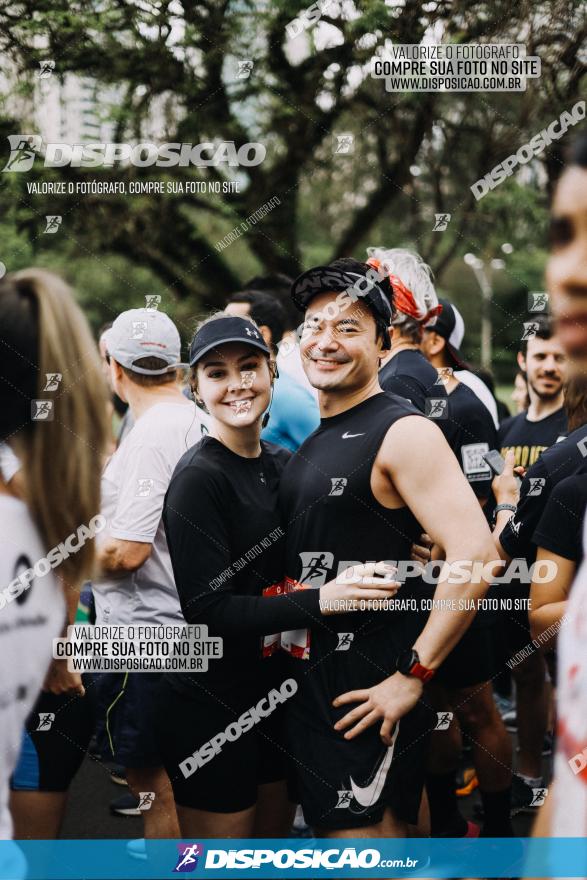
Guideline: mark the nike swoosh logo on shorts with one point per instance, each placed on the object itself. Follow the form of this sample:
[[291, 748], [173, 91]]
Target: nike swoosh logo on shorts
[[369, 794], [347, 436]]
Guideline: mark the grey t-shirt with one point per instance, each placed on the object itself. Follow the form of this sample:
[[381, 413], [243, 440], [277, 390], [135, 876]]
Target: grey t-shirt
[[134, 484]]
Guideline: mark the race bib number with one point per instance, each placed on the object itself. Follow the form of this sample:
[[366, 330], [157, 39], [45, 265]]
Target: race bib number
[[474, 465], [295, 642]]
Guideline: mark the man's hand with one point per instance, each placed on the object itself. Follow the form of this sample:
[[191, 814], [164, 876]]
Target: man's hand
[[505, 487], [390, 700], [59, 680], [422, 552]]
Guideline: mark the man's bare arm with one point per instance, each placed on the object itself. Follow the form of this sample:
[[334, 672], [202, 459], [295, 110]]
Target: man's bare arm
[[424, 470], [421, 467]]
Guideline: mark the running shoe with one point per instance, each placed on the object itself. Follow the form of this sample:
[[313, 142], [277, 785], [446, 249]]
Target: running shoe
[[467, 782], [524, 798], [118, 774], [504, 704], [126, 805]]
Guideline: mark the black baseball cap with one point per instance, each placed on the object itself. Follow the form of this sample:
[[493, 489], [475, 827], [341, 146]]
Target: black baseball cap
[[334, 278], [222, 330], [450, 325]]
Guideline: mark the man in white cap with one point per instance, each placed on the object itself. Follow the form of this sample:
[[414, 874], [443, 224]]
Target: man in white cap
[[136, 583]]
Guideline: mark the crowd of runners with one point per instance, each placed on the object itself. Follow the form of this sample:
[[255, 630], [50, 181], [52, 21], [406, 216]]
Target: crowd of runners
[[324, 487]]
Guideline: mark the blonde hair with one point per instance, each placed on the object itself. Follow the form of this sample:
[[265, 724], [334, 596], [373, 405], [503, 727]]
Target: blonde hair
[[44, 331]]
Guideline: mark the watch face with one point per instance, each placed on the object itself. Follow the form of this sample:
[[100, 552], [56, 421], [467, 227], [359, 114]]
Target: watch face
[[406, 660]]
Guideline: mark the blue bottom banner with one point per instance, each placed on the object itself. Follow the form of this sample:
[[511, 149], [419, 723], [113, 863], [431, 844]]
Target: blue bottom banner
[[307, 858]]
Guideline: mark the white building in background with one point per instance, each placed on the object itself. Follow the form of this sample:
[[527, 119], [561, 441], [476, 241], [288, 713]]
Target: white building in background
[[69, 109], [73, 110]]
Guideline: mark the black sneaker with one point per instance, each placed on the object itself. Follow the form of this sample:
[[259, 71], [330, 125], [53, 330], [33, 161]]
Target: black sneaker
[[118, 775], [126, 805], [524, 798]]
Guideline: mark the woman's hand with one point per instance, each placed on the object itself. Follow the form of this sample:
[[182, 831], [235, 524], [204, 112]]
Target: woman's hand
[[360, 588]]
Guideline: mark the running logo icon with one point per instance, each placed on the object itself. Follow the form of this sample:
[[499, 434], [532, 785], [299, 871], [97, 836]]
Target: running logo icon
[[345, 144], [139, 328], [315, 567], [46, 720], [537, 302], [23, 149], [144, 487], [345, 798], [47, 68], [538, 796], [152, 301], [344, 641], [530, 330], [53, 223], [436, 407], [42, 410], [537, 484], [187, 860], [443, 720], [52, 381], [338, 485], [444, 374], [441, 222], [146, 799], [244, 69]]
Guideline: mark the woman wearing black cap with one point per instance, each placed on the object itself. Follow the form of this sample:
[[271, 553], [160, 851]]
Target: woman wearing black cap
[[219, 732]]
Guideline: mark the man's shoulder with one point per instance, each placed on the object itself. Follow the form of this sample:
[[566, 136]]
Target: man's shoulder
[[509, 425]]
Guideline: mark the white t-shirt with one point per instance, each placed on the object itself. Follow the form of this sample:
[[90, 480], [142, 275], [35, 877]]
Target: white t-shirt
[[9, 463], [481, 390], [28, 625], [134, 484], [570, 767]]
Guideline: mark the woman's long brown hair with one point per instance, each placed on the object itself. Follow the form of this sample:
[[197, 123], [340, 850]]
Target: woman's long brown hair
[[62, 457]]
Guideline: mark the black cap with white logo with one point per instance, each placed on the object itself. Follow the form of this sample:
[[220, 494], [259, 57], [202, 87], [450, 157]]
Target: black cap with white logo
[[450, 325], [222, 330], [331, 279]]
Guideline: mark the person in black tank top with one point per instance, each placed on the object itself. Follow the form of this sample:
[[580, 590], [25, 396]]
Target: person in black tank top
[[361, 488]]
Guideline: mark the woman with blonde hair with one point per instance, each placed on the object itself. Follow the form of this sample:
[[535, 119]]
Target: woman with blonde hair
[[53, 419]]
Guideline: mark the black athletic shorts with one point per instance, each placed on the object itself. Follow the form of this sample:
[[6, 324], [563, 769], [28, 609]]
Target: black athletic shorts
[[55, 741], [227, 782], [349, 783], [345, 784], [127, 709]]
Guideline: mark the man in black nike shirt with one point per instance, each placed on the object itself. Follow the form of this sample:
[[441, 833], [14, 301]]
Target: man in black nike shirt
[[544, 363], [362, 487]]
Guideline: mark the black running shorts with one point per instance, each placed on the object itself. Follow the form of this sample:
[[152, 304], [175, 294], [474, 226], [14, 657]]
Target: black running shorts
[[227, 781], [55, 741]]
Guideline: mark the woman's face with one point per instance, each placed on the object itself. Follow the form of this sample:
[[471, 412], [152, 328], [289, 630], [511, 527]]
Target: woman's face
[[234, 383], [566, 273]]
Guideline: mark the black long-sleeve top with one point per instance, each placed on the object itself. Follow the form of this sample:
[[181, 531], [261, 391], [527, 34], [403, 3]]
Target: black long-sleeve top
[[227, 543]]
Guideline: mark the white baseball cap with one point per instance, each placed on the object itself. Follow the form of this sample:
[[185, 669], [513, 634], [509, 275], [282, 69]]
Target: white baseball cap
[[140, 333]]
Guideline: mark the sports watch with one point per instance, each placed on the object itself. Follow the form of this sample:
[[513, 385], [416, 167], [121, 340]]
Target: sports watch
[[408, 663]]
